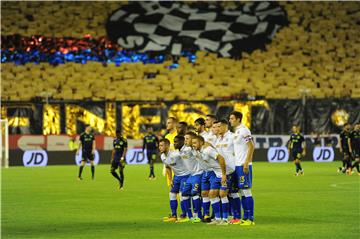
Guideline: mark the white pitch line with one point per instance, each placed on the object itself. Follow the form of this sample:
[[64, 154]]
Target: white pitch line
[[335, 185]]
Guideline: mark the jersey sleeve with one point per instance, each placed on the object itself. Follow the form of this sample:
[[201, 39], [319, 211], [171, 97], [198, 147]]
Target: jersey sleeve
[[245, 134], [125, 143], [212, 152]]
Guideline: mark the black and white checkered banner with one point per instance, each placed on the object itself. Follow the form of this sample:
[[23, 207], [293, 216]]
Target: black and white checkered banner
[[174, 27]]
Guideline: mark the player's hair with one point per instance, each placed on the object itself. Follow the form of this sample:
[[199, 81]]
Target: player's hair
[[183, 123], [200, 138], [224, 121], [346, 124], [237, 114], [200, 121], [173, 118], [179, 137], [212, 116], [191, 133], [217, 121], [165, 140]]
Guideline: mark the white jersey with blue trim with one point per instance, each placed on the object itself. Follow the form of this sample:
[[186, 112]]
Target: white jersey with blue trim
[[188, 157], [174, 161], [209, 155], [225, 146], [209, 137], [242, 136]]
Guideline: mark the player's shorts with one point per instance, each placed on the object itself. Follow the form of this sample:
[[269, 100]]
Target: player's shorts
[[231, 183], [87, 156], [151, 155], [179, 183], [296, 154], [115, 163], [192, 186], [205, 181], [215, 182], [244, 179]]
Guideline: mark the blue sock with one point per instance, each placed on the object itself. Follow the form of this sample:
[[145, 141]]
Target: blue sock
[[187, 206], [231, 206], [236, 205], [206, 206], [215, 203], [250, 209], [173, 206], [225, 208], [197, 205], [183, 208], [244, 206]]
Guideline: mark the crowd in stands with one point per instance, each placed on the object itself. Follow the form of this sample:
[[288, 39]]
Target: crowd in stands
[[317, 52]]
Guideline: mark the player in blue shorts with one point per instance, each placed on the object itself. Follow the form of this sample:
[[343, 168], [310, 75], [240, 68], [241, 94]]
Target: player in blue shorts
[[193, 183], [244, 149], [216, 171], [229, 193], [173, 161]]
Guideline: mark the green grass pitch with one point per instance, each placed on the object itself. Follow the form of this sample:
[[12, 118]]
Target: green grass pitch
[[49, 202]]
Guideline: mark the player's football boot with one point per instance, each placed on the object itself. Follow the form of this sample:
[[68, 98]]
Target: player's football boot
[[214, 222], [167, 217], [247, 223], [79, 178], [302, 173], [296, 174], [183, 220], [206, 219], [235, 221], [223, 223], [195, 220], [170, 219]]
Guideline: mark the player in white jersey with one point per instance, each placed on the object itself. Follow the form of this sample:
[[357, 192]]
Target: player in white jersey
[[217, 170], [199, 125], [225, 145], [205, 180], [244, 149], [173, 161], [210, 135], [192, 186]]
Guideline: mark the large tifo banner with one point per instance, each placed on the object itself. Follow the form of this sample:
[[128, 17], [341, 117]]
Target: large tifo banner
[[39, 150], [271, 117], [175, 27]]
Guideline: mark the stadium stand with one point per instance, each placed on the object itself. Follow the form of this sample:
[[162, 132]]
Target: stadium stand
[[319, 51]]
